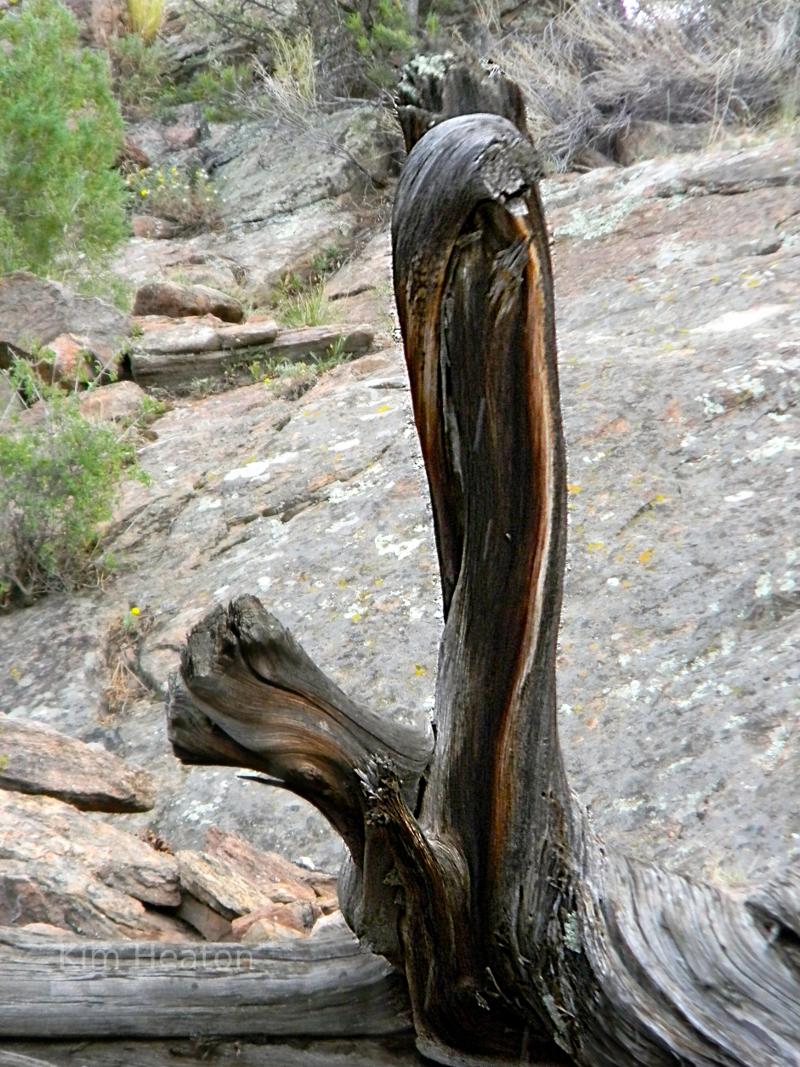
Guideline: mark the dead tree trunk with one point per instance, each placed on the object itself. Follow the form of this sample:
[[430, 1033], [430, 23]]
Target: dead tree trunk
[[474, 868]]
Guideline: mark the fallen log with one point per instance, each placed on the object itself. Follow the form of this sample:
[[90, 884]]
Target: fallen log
[[145, 989]]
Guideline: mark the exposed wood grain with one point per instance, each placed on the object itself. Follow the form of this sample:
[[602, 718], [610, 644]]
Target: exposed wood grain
[[207, 1052], [151, 989]]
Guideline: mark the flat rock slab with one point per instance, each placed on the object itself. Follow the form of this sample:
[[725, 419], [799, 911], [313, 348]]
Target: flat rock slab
[[200, 336], [35, 759], [295, 345]]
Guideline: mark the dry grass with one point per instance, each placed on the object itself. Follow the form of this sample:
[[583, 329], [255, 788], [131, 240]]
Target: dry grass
[[591, 74], [288, 87], [123, 642], [145, 18]]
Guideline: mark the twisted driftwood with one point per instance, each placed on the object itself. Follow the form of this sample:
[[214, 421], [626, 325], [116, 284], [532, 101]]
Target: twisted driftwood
[[474, 869]]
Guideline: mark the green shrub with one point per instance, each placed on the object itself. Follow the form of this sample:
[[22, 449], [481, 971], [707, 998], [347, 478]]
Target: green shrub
[[142, 74], [385, 41], [219, 89], [58, 481], [60, 134]]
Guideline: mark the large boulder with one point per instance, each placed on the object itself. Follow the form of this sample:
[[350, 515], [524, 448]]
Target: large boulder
[[34, 312], [178, 301], [289, 193]]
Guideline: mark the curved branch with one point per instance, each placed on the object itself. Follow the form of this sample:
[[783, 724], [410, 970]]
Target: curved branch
[[251, 697]]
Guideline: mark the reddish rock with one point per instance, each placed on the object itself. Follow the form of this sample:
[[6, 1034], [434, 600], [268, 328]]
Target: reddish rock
[[34, 311], [62, 867], [176, 301], [264, 868], [44, 831], [40, 760], [152, 227], [265, 930], [209, 923], [112, 403], [73, 364], [294, 916]]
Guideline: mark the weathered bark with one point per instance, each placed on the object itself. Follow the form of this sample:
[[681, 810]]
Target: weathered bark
[[476, 871], [148, 989]]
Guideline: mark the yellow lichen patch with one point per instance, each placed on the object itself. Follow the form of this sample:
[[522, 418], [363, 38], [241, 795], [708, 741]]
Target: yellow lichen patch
[[595, 546], [573, 489], [419, 670], [645, 556]]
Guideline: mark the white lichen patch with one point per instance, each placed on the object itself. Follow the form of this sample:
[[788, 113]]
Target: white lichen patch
[[390, 545], [773, 447], [741, 320], [344, 446], [631, 691], [778, 738], [259, 467], [599, 221], [571, 933], [764, 586], [739, 498]]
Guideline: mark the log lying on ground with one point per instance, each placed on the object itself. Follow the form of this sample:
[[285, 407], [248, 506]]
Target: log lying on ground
[[393, 1051], [225, 355], [324, 988]]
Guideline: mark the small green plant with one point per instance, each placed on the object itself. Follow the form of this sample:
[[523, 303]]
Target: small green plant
[[189, 201], [150, 409], [141, 73], [290, 379], [218, 89], [58, 480], [385, 42], [145, 17], [60, 135], [308, 307]]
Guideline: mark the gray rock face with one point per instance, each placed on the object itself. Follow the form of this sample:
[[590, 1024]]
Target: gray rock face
[[288, 192], [680, 342]]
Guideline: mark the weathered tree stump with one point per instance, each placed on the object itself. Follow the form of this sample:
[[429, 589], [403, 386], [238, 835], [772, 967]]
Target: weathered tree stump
[[474, 869]]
